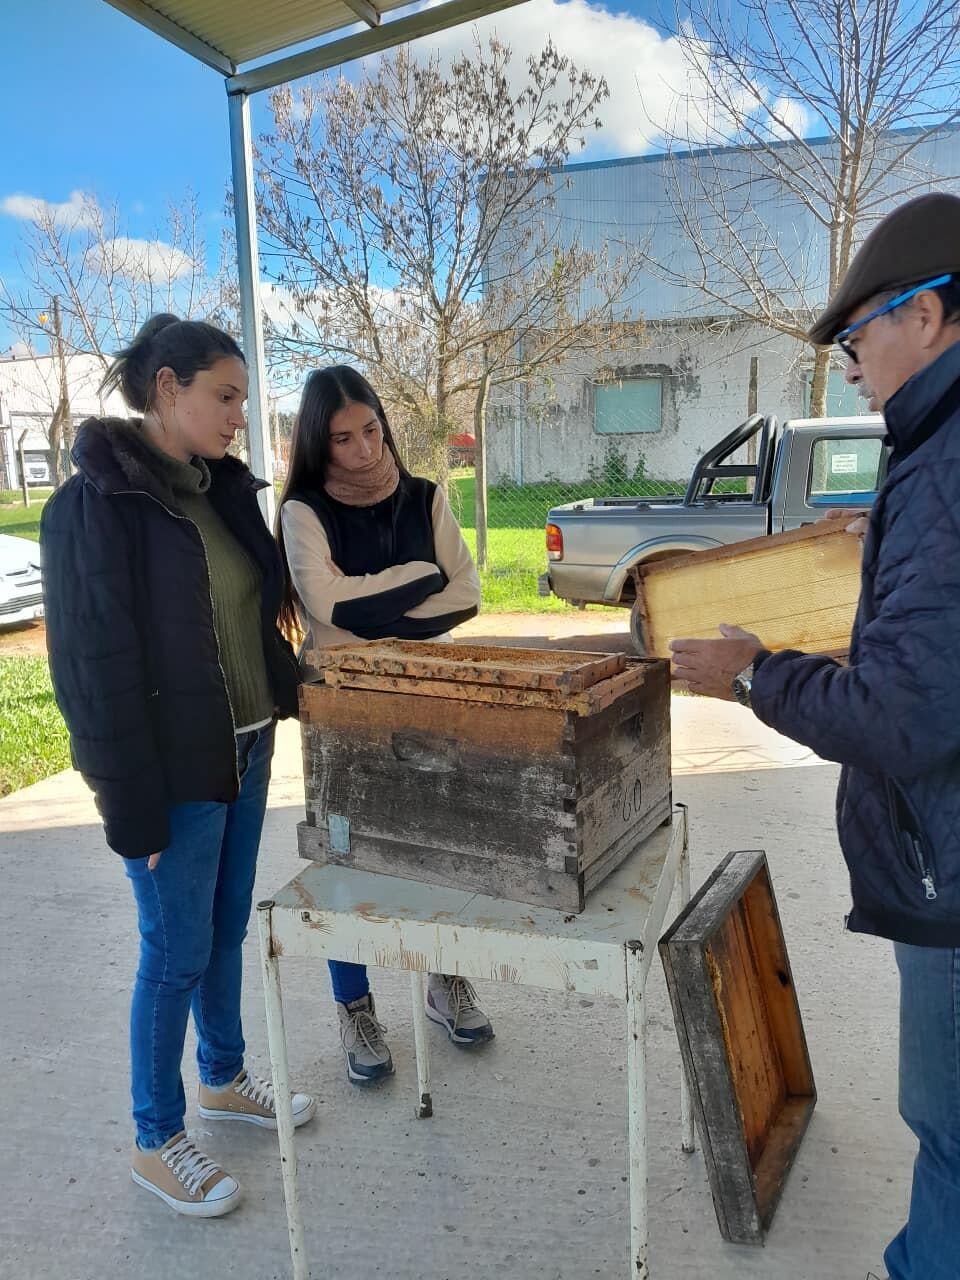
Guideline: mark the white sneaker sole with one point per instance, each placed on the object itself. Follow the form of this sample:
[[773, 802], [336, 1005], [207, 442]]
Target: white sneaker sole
[[264, 1122], [356, 1077], [192, 1208], [435, 1016]]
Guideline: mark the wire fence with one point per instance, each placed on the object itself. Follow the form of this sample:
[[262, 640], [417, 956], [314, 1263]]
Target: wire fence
[[516, 516], [602, 466]]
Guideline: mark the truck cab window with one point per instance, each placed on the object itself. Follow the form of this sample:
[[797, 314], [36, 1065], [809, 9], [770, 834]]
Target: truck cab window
[[844, 468]]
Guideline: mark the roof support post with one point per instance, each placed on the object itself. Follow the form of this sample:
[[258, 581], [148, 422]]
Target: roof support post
[[248, 266]]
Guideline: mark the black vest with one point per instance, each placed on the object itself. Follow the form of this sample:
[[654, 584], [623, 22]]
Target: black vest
[[370, 539]]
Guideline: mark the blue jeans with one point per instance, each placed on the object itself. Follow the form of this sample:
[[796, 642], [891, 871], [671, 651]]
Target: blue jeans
[[928, 1247], [192, 910], [349, 981]]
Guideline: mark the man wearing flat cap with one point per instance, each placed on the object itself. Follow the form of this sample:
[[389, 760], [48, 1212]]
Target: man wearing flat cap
[[892, 716]]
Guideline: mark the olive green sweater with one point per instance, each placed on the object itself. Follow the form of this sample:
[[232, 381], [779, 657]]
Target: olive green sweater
[[234, 591]]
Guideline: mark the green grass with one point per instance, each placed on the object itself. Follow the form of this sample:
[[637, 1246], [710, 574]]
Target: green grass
[[33, 737], [516, 514], [515, 547], [14, 497], [23, 522]]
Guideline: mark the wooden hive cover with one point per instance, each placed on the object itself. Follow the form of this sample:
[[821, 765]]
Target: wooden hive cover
[[569, 681], [796, 590], [741, 1039]]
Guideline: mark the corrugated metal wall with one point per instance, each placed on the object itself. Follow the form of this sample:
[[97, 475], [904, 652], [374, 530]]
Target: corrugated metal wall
[[642, 201]]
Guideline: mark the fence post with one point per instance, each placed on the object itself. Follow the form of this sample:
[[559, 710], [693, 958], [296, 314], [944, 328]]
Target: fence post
[[480, 482], [23, 468]]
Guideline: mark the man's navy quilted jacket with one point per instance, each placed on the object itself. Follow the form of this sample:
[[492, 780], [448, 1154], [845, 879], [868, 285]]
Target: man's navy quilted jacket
[[892, 717]]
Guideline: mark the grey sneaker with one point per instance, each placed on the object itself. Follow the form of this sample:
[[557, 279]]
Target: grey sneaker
[[361, 1034], [452, 1002]]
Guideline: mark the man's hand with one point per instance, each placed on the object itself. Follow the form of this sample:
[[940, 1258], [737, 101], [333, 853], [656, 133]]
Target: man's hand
[[857, 521], [708, 667], [153, 860]]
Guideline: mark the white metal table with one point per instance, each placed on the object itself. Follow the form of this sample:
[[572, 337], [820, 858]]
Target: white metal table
[[328, 912]]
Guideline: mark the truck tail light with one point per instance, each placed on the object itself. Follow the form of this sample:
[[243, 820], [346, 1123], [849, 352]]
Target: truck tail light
[[554, 542]]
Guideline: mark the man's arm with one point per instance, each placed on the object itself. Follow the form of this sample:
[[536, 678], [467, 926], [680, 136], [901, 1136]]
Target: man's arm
[[896, 710]]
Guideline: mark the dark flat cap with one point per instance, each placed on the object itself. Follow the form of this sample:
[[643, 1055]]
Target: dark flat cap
[[916, 242]]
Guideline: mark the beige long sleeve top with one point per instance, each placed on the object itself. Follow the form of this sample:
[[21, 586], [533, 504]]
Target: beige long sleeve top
[[417, 599]]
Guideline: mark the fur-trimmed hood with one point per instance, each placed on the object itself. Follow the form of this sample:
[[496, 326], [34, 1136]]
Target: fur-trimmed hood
[[113, 456]]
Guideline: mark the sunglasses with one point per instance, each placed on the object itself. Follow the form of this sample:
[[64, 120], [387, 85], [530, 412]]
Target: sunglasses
[[841, 338]]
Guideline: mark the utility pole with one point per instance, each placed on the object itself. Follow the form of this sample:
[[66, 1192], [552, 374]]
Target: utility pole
[[275, 424], [23, 467], [753, 398], [64, 403], [60, 427]]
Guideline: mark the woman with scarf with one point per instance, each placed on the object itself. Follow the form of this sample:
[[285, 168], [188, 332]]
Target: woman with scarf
[[371, 552]]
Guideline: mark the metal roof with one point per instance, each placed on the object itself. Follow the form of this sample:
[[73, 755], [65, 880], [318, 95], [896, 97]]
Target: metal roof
[[225, 34]]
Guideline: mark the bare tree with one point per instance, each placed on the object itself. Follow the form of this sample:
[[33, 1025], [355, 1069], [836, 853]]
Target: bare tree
[[839, 103], [408, 225], [86, 286]]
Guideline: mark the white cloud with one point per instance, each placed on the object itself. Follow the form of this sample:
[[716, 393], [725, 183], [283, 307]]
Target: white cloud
[[280, 305], [789, 118], [148, 261], [144, 260], [654, 86], [79, 211], [284, 398]]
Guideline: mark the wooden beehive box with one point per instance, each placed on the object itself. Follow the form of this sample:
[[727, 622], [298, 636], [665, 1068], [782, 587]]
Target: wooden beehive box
[[795, 590], [742, 1041], [525, 774]]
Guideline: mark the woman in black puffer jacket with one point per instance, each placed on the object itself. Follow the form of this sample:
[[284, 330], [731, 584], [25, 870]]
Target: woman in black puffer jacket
[[163, 588]]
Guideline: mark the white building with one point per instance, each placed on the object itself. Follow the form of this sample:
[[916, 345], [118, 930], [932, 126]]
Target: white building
[[654, 407], [29, 393]]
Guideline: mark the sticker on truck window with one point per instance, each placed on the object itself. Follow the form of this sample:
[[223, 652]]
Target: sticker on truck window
[[844, 464]]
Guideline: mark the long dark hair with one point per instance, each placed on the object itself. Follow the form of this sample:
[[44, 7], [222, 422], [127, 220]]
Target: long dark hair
[[164, 342], [325, 392]]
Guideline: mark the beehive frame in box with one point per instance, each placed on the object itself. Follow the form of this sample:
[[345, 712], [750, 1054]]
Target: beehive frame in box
[[526, 774]]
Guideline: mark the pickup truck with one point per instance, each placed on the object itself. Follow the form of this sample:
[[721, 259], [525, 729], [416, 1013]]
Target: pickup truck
[[801, 469]]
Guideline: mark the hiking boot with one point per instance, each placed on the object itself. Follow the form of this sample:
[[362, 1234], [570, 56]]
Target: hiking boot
[[452, 1002], [250, 1098], [361, 1034], [185, 1178]]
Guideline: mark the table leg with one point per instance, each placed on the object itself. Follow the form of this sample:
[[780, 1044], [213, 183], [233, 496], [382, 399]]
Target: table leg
[[277, 1041], [687, 1138], [424, 1100], [637, 1110]]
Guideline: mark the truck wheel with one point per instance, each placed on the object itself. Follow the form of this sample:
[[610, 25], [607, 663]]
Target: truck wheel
[[636, 630]]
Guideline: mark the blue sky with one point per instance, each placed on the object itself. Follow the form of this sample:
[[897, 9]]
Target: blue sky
[[91, 102]]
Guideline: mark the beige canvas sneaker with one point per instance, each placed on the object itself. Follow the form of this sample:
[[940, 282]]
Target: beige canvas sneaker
[[251, 1099], [185, 1178]]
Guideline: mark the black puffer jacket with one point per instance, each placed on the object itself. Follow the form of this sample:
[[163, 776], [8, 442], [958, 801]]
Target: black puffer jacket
[[892, 717], [133, 651]]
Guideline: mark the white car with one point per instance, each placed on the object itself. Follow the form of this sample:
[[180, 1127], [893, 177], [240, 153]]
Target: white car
[[21, 585]]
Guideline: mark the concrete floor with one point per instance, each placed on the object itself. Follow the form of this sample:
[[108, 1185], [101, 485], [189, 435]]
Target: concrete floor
[[521, 1172]]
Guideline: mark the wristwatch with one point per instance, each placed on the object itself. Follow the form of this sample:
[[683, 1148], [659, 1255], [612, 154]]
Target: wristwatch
[[741, 685]]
